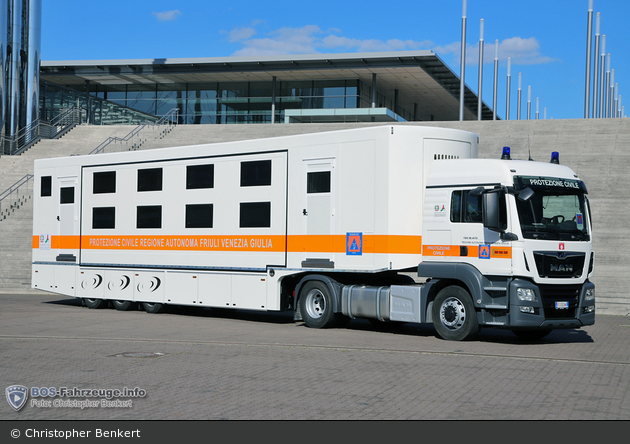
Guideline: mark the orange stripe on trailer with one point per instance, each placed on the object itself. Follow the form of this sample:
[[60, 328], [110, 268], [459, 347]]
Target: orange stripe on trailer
[[379, 244], [59, 242], [318, 243], [372, 243], [185, 243]]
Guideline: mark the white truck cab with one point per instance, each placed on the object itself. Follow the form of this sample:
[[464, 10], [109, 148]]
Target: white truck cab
[[516, 236]]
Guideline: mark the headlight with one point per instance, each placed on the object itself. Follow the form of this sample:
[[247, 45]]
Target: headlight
[[526, 294], [589, 295]]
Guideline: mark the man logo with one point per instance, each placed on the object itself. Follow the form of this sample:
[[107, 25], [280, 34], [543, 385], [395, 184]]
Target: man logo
[[16, 396]]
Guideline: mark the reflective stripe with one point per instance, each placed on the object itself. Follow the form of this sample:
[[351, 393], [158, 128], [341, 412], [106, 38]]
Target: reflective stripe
[[381, 244], [469, 250]]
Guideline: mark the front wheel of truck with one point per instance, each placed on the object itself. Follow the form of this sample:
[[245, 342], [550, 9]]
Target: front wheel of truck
[[454, 316]]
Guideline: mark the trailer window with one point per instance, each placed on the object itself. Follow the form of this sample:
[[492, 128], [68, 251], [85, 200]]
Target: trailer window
[[150, 179], [199, 176], [318, 182], [255, 215], [46, 186], [256, 173], [149, 216], [104, 218], [104, 182], [66, 195], [199, 216]]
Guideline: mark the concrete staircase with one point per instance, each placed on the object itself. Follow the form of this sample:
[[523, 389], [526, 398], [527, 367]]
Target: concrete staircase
[[596, 149]]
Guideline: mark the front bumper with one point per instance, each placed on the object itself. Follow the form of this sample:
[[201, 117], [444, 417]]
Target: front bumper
[[556, 306]]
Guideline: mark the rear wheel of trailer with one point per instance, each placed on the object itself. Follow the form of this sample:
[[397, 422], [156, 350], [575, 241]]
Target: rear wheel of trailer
[[151, 307], [94, 303]]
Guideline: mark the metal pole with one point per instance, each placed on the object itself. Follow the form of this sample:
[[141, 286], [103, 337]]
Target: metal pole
[[529, 102], [373, 90], [4, 23], [537, 108], [611, 94], [518, 97], [589, 38], [480, 85], [462, 68], [509, 82], [602, 74], [614, 111], [607, 92], [496, 79], [596, 72], [273, 100]]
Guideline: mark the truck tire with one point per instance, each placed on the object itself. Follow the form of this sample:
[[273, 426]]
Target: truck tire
[[94, 303], [124, 305], [454, 315], [151, 307], [316, 305]]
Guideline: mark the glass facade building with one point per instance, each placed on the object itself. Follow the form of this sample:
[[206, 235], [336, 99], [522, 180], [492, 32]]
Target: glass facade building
[[402, 85], [55, 100], [219, 102]]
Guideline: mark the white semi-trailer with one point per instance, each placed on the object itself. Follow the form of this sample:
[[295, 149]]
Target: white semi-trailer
[[329, 225]]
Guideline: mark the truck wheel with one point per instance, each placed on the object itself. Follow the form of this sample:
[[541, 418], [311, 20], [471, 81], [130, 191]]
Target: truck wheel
[[454, 315], [316, 305], [124, 305], [95, 303], [151, 307]]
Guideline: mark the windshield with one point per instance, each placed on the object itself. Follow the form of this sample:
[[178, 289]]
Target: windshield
[[557, 209]]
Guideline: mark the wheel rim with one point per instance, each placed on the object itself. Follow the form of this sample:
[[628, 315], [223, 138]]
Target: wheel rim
[[315, 304], [452, 313]]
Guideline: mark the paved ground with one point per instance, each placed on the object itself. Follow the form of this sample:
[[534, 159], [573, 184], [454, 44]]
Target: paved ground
[[237, 365]]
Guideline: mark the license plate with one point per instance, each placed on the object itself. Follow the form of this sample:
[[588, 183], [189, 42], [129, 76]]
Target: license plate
[[562, 305]]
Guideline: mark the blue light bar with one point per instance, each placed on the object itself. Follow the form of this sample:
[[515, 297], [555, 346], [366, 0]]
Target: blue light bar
[[555, 157], [506, 153]]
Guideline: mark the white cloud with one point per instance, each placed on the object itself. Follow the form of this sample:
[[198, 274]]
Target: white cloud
[[283, 41], [523, 52], [311, 39], [372, 45], [238, 34], [167, 16]]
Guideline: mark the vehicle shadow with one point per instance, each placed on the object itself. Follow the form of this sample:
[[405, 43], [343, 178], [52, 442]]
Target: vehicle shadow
[[489, 335]]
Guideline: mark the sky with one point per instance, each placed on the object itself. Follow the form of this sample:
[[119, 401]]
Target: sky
[[546, 39]]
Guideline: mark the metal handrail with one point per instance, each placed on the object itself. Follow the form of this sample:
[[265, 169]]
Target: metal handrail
[[38, 129], [13, 194], [137, 137], [158, 129]]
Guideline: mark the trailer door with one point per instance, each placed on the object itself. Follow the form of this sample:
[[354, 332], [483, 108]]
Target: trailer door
[[68, 215], [319, 208]]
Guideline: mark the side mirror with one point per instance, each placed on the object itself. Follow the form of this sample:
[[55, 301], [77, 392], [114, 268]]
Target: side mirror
[[494, 210], [525, 194]]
